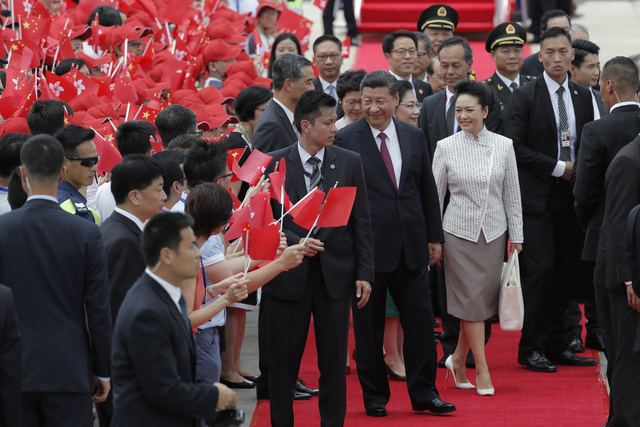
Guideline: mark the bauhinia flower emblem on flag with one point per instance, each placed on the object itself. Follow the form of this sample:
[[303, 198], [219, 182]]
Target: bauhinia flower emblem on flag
[[56, 88]]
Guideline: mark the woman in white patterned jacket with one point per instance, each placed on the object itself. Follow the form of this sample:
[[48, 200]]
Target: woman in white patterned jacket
[[479, 169]]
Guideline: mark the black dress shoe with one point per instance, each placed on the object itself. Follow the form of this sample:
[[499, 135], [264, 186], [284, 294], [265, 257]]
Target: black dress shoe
[[441, 361], [575, 344], [437, 406], [241, 384], [393, 375], [301, 386], [438, 335], [252, 378], [536, 362], [567, 357], [377, 410], [298, 395], [355, 41], [595, 341]]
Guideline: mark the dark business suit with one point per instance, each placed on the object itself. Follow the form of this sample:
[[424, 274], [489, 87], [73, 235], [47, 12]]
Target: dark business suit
[[549, 261], [10, 360], [423, 89], [404, 221], [322, 285], [532, 66], [502, 92], [154, 363], [55, 265], [317, 85], [622, 187], [273, 130], [601, 108]]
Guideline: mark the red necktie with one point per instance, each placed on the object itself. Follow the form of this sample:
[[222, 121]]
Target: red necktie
[[386, 158]]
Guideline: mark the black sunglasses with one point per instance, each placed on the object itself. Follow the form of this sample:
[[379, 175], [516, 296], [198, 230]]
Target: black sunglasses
[[87, 162]]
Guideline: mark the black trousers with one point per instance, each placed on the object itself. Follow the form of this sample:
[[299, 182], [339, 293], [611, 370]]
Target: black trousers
[[549, 265], [327, 17], [288, 328], [105, 411], [262, 384], [41, 409], [410, 292]]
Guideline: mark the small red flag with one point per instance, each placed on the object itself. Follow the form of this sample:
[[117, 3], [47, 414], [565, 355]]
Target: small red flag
[[276, 185], [336, 209], [346, 46], [305, 212], [61, 87], [234, 155], [109, 154], [262, 243], [322, 4], [253, 167], [236, 201], [123, 88]]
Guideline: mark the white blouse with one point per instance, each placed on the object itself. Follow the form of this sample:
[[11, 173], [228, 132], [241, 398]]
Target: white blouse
[[479, 202]]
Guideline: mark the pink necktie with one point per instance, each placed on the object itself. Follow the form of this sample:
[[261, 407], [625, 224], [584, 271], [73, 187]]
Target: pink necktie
[[386, 158]]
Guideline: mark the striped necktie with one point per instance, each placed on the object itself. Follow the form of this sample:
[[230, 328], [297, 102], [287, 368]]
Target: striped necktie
[[565, 152]]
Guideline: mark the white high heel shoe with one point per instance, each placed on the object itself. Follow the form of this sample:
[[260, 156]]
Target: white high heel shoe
[[485, 391], [449, 364]]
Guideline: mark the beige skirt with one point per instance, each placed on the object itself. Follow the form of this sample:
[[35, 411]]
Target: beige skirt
[[472, 274]]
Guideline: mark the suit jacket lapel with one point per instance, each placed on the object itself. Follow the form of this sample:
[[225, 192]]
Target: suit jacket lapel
[[371, 148], [295, 174], [441, 115], [128, 223], [285, 120], [329, 168], [405, 151], [502, 91], [543, 94]]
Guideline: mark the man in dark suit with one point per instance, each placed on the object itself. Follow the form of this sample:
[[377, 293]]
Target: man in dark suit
[[292, 76], [338, 265], [504, 43], [327, 57], [55, 265], [154, 365], [10, 360], [601, 141], [400, 49], [405, 215], [585, 71], [437, 118], [545, 120], [622, 187], [551, 18]]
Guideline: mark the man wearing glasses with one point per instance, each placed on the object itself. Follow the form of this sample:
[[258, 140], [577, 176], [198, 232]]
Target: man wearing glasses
[[81, 158], [327, 57], [401, 52]]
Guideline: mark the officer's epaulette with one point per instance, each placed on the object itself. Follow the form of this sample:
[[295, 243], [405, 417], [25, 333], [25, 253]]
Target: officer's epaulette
[[486, 81], [529, 78]]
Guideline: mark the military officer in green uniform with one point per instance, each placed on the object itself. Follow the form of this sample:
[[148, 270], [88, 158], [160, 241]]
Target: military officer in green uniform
[[504, 43]]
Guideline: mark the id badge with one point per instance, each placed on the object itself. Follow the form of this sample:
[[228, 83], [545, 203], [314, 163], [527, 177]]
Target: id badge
[[565, 139]]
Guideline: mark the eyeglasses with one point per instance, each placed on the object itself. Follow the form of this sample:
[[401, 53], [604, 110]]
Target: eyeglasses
[[421, 54], [229, 175], [403, 52], [412, 106], [197, 132], [333, 56], [181, 179], [352, 102], [87, 162]]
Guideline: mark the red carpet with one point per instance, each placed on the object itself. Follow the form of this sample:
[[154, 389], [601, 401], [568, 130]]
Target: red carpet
[[370, 57], [571, 397]]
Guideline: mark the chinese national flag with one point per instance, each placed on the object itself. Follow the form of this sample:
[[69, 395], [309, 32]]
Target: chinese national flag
[[236, 222], [253, 167], [109, 154], [61, 87], [262, 243], [337, 207], [29, 97], [123, 88], [22, 57], [276, 185], [66, 50], [305, 212], [174, 72], [260, 210], [236, 201], [234, 154], [36, 30], [322, 4], [291, 22], [145, 113]]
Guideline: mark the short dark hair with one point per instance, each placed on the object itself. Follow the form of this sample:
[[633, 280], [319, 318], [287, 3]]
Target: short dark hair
[[310, 105], [132, 137], [389, 39], [553, 13], [107, 16], [480, 91], [43, 157], [401, 87], [248, 100], [66, 64], [10, 145], [276, 42], [163, 230], [324, 38], [582, 48], [425, 38], [552, 33], [376, 79], [211, 207], [205, 163], [71, 136], [170, 161], [623, 72], [349, 81], [16, 195], [173, 121], [453, 41], [430, 67], [135, 172], [288, 67], [47, 116], [185, 143]]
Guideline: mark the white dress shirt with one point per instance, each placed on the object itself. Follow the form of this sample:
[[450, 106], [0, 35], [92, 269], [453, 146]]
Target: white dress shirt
[[105, 202], [448, 105], [571, 118], [410, 80], [132, 217], [479, 201], [174, 292], [325, 87], [304, 156], [393, 145], [596, 110]]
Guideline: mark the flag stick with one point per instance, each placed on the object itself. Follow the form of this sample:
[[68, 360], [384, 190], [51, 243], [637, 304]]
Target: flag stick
[[247, 259], [112, 125], [292, 207], [281, 205], [318, 217], [138, 112], [126, 117], [102, 137]]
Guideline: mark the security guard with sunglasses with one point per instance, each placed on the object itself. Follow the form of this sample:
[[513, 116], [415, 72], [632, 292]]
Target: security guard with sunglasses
[[81, 159]]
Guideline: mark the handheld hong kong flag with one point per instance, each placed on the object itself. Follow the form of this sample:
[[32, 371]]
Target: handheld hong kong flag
[[305, 212], [322, 4], [337, 207], [61, 87], [253, 167], [234, 155], [261, 243], [236, 201], [346, 46]]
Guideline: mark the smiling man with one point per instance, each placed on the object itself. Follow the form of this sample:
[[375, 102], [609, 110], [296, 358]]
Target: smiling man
[[327, 57], [401, 52]]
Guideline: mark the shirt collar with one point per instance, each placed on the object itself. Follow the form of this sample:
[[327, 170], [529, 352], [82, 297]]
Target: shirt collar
[[174, 292], [507, 81], [482, 136], [132, 217], [398, 77], [325, 84], [448, 92], [288, 112], [390, 131], [42, 197], [304, 156], [553, 85], [624, 103]]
